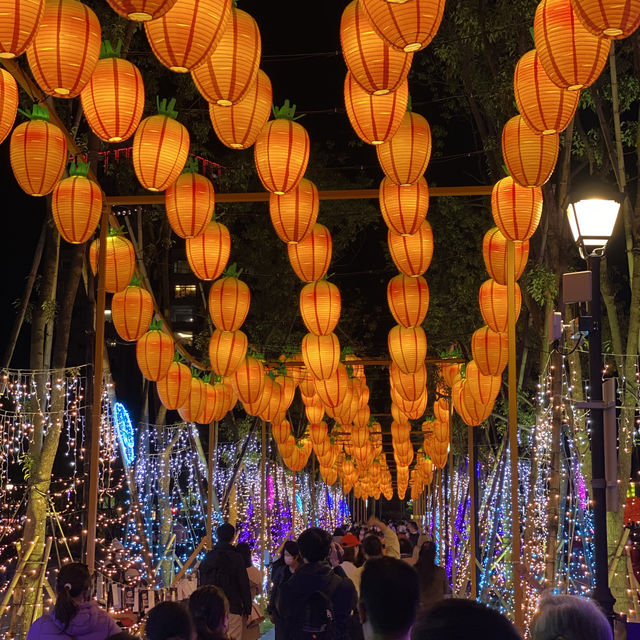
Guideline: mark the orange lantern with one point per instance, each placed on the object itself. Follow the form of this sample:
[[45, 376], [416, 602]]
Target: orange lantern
[[412, 254], [373, 62], [409, 385], [281, 431], [248, 380], [208, 253], [332, 391], [441, 410], [222, 398], [154, 352], [120, 262], [19, 22], [227, 350], [408, 299], [38, 153], [173, 389], [307, 384], [529, 156], [229, 300], [113, 99], [440, 430], [286, 448], [397, 414], [194, 404], [321, 354], [288, 385], [314, 411], [294, 214], [189, 203], [239, 125], [450, 372], [407, 347], [310, 258], [226, 75], [516, 210], [300, 455], [363, 414], [211, 407], [374, 118], [572, 56], [400, 432], [476, 411], [320, 306], [490, 351], [268, 407], [492, 298], [484, 388], [132, 312], [359, 436], [414, 409], [141, 10], [613, 20], [187, 34], [8, 102], [329, 475], [76, 205], [494, 252], [404, 208]]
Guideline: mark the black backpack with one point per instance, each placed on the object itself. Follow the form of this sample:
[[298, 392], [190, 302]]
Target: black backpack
[[220, 574], [316, 620]]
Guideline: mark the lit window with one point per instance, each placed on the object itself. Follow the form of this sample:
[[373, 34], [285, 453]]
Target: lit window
[[184, 290], [182, 313]]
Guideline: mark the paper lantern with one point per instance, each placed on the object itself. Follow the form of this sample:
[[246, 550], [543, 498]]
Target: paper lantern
[[273, 408], [192, 408], [441, 408], [189, 203], [227, 350], [173, 389], [412, 409], [404, 209], [141, 10], [450, 372], [516, 210], [286, 448], [281, 432], [299, 456], [332, 391], [238, 126], [492, 299], [248, 380], [310, 258], [208, 253], [294, 214], [572, 56], [329, 475], [407, 347], [307, 384], [375, 65], [409, 385], [412, 254], [490, 351], [211, 407], [154, 352], [613, 19], [8, 102], [188, 33], [222, 397], [229, 300], [476, 412], [132, 312], [408, 299], [484, 388], [19, 21], [494, 252], [226, 75], [374, 118], [288, 385], [529, 156], [321, 354], [320, 306], [120, 262], [361, 419], [66, 48], [314, 411]]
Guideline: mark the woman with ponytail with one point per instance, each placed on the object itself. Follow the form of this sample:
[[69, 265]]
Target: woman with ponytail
[[75, 614], [209, 609]]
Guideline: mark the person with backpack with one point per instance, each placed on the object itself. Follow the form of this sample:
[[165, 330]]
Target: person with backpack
[[316, 603], [224, 567]]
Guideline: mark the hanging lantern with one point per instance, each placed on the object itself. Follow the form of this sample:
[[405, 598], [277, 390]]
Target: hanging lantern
[[226, 75], [374, 118], [211, 406], [450, 372], [173, 389], [294, 214], [572, 57], [476, 411], [239, 125], [613, 20], [229, 300], [288, 385], [188, 33], [222, 398], [189, 203], [484, 388], [492, 298], [408, 299], [409, 385], [160, 148], [208, 253], [320, 306], [414, 409], [120, 261], [281, 431], [132, 312], [321, 354], [76, 205], [227, 350], [192, 408], [404, 209], [407, 348], [310, 258], [8, 102], [154, 352], [490, 351], [400, 433], [286, 448], [248, 380], [141, 10], [494, 252], [529, 156], [314, 411], [329, 475], [373, 62], [332, 391], [270, 404], [38, 153], [412, 254], [361, 419], [516, 210], [441, 408], [307, 384], [113, 99], [19, 22]]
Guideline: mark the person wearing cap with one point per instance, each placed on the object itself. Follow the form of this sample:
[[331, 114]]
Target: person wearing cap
[[350, 545]]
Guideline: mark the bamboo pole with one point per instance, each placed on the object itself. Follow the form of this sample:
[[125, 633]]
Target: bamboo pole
[[213, 427], [441, 537], [38, 605], [17, 574], [263, 493], [293, 503], [471, 469], [201, 545]]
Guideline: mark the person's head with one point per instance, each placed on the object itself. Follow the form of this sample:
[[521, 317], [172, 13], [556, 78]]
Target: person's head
[[406, 548], [350, 545], [371, 546], [225, 532], [72, 586], [389, 595], [412, 527], [244, 550], [569, 617], [314, 544], [458, 619], [290, 553], [209, 610], [168, 621], [338, 532]]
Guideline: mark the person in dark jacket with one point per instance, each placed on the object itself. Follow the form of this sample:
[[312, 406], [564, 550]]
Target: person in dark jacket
[[224, 567], [291, 560]]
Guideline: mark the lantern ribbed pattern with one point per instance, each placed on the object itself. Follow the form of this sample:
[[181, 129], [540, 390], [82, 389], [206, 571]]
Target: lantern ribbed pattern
[[407, 347], [229, 300], [545, 107], [294, 214], [132, 312], [457, 399], [361, 419], [490, 351], [38, 153], [608, 19], [414, 409], [190, 410], [188, 33], [19, 22], [239, 125], [320, 306], [281, 432], [409, 26], [492, 299], [572, 57], [314, 412], [400, 432], [211, 405], [375, 119], [412, 254], [494, 252], [160, 150], [174, 388], [405, 157], [208, 253], [260, 406], [477, 412], [66, 48], [8, 103], [227, 350], [408, 299], [189, 202], [516, 210], [441, 410], [248, 380], [329, 475], [404, 209], [530, 157], [332, 391], [226, 75], [141, 10], [121, 262], [76, 205], [321, 354], [223, 399], [450, 372], [409, 385], [281, 155], [484, 388], [375, 65], [310, 258], [154, 352]]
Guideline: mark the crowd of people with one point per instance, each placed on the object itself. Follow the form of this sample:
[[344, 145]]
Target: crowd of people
[[374, 582]]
